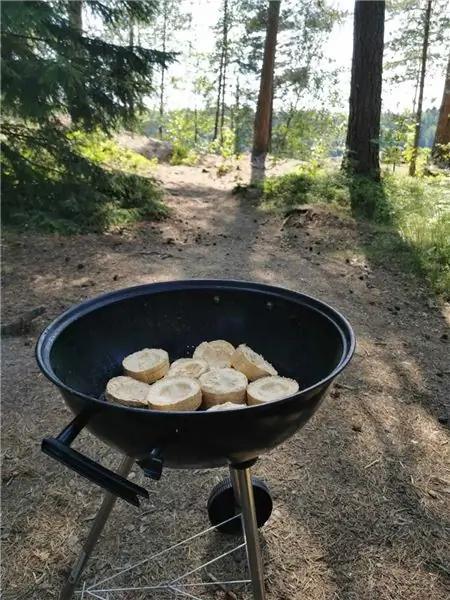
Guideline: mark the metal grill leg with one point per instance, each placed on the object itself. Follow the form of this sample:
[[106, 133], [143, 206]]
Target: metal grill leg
[[95, 532], [243, 489]]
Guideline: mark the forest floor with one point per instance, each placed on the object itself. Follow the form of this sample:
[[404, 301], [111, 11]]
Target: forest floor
[[361, 494]]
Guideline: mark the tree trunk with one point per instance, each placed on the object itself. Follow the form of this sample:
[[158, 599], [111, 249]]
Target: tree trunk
[[261, 130], [219, 96], [225, 65], [237, 132], [269, 145], [163, 73], [131, 33], [195, 124], [423, 70], [75, 10], [363, 132], [442, 137], [416, 91], [75, 14]]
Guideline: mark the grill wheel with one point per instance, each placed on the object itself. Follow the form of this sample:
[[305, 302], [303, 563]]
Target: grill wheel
[[222, 506]]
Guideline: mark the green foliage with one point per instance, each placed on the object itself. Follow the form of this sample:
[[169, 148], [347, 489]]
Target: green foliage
[[307, 185], [410, 217], [49, 66], [441, 155], [419, 215], [404, 50], [182, 128], [190, 134], [69, 188], [102, 150], [297, 133], [396, 138], [55, 79], [225, 145]]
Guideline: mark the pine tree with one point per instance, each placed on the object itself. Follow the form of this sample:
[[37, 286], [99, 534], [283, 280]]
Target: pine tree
[[421, 87], [363, 132], [263, 114], [417, 50], [223, 52], [304, 26], [171, 18], [56, 78]]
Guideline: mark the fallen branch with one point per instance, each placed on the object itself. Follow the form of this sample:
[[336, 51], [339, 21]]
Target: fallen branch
[[22, 324]]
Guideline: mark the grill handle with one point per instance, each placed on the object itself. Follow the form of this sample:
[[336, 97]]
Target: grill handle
[[59, 449]]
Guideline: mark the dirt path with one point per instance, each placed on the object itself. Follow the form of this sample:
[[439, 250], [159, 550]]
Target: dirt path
[[362, 494]]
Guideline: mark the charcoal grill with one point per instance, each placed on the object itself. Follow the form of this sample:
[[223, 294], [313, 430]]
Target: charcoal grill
[[304, 338]]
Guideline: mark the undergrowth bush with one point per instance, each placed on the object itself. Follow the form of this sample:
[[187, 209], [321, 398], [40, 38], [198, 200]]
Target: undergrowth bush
[[307, 185], [84, 183], [410, 216]]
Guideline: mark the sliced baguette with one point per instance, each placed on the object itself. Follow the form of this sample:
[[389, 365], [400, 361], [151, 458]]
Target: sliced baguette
[[270, 389], [128, 391], [188, 367], [252, 364], [217, 353], [223, 385], [147, 365], [175, 393]]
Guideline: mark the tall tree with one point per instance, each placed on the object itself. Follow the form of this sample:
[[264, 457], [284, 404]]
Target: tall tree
[[421, 88], [172, 17], [162, 90], [441, 146], [362, 144], [223, 51], [404, 48], [261, 131], [225, 65], [416, 51]]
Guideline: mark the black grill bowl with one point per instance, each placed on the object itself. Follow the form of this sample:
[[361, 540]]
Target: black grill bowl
[[302, 337]]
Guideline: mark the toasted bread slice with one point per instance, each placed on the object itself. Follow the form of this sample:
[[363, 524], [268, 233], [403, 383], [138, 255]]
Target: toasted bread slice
[[128, 391], [270, 389], [217, 353], [175, 393], [223, 385], [188, 367], [252, 364], [147, 365]]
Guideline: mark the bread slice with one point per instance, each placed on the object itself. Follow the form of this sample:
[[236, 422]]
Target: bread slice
[[175, 393], [147, 365], [223, 385], [252, 364], [270, 389], [188, 367], [217, 353], [128, 391], [225, 406]]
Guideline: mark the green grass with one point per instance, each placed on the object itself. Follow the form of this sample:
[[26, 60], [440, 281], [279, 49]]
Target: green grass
[[410, 217]]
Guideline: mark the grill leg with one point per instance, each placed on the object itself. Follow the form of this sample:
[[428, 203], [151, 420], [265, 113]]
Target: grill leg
[[243, 490], [95, 532]]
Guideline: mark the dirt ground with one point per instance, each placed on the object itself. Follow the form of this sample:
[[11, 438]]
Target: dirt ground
[[361, 494]]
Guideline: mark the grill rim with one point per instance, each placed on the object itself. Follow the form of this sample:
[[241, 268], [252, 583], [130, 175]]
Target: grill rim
[[69, 316]]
